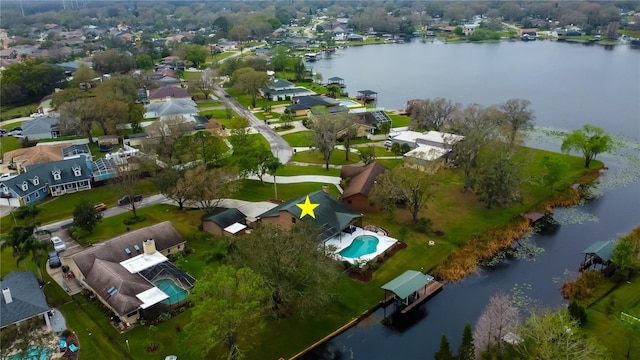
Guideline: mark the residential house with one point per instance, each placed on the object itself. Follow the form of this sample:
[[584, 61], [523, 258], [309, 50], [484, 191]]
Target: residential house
[[45, 106], [123, 272], [41, 180], [230, 222], [41, 128], [322, 209], [227, 45], [42, 153], [355, 37], [22, 299], [371, 119], [468, 29], [427, 146], [72, 66], [281, 89], [359, 183], [168, 94], [297, 42], [302, 104], [163, 109], [262, 51]]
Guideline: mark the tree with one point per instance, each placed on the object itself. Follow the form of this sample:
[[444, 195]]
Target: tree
[[555, 168], [249, 81], [467, 350], [279, 57], [367, 154], [590, 141], [28, 80], [113, 61], [83, 76], [444, 353], [67, 95], [498, 176], [28, 213], [325, 134], [334, 90], [385, 127], [625, 254], [406, 185], [517, 118], [16, 239], [498, 318], [79, 116], [299, 70], [201, 145], [250, 155], [577, 313], [286, 118], [432, 114], [196, 54], [206, 83], [230, 308], [272, 167], [164, 135], [210, 186], [85, 216], [478, 126], [144, 62], [172, 185], [301, 277], [554, 335], [121, 88]]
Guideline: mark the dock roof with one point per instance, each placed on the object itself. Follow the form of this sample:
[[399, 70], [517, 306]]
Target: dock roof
[[603, 249], [407, 283]]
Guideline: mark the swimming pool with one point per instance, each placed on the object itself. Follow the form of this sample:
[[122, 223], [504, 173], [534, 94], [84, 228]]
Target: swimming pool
[[361, 245], [175, 292], [34, 353], [349, 103]]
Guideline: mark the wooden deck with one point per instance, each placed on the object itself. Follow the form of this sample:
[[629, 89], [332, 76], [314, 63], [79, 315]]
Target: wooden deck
[[425, 294]]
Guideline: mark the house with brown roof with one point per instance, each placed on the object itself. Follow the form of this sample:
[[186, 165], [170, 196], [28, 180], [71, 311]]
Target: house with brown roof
[[36, 154], [128, 273], [169, 93], [360, 181]]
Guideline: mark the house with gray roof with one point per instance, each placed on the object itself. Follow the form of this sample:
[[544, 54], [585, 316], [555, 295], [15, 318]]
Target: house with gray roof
[[22, 298], [281, 89], [41, 128], [302, 104], [184, 107], [230, 222], [48, 179], [124, 272]]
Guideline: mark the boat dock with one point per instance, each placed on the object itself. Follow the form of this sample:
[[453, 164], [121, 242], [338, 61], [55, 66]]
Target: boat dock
[[424, 294]]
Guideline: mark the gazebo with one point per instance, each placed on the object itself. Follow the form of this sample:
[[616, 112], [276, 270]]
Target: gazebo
[[409, 290], [599, 252], [336, 81], [367, 95]]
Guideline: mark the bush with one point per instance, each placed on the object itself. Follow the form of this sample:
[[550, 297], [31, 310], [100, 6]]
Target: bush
[[134, 220], [77, 233], [164, 316], [65, 333], [581, 287], [423, 225], [577, 312]]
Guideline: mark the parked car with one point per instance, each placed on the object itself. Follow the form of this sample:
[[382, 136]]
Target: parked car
[[54, 260], [100, 207], [36, 115], [388, 143], [15, 131], [3, 132], [7, 176], [58, 244], [126, 200]]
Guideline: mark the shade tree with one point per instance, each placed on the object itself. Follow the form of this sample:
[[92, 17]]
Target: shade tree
[[432, 114], [499, 318], [250, 81], [209, 186], [85, 216], [590, 141], [498, 176], [517, 117]]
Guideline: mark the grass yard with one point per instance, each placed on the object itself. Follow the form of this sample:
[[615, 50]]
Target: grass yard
[[299, 139], [11, 112], [9, 143], [398, 120], [253, 190], [315, 157], [60, 208], [208, 103], [293, 170]]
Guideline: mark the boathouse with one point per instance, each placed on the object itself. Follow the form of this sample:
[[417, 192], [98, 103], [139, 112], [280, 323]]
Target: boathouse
[[338, 81], [409, 290], [367, 96], [599, 252]]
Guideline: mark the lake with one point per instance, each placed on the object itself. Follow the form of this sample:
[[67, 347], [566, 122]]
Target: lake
[[569, 86]]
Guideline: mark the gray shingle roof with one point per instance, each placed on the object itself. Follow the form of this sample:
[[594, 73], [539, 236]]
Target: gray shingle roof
[[44, 172], [226, 218], [39, 126], [28, 299]]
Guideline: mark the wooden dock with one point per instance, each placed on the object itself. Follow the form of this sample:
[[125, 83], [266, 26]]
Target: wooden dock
[[425, 294]]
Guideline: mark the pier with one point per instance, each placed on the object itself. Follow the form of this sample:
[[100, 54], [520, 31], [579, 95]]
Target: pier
[[409, 290]]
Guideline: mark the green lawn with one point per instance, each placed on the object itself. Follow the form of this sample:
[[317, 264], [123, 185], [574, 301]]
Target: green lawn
[[315, 157], [399, 120], [61, 207], [9, 143], [208, 103], [293, 170], [299, 139], [11, 112], [253, 190]]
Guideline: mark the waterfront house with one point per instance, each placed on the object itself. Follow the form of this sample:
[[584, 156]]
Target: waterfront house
[[281, 89], [303, 104], [359, 181], [319, 207]]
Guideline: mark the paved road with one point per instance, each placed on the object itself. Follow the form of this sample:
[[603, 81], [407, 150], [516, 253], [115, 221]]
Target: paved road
[[279, 147]]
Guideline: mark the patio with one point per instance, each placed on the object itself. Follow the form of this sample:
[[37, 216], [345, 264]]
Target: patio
[[345, 239]]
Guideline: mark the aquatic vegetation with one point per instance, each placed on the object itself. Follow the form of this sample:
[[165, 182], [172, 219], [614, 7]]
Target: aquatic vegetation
[[520, 299], [574, 215]]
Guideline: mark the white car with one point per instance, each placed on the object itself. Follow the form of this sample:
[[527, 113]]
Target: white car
[[58, 244], [36, 115], [7, 176]]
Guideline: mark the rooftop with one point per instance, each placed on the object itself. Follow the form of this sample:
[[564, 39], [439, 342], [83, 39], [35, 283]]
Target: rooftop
[[407, 283], [27, 298]]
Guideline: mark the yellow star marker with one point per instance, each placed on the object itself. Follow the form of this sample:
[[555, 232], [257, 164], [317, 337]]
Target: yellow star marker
[[307, 208]]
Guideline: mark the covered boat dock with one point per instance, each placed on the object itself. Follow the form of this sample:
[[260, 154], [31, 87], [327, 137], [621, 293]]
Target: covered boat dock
[[599, 252], [409, 290]]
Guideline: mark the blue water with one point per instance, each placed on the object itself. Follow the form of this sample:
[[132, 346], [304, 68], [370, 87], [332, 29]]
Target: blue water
[[348, 103], [34, 353], [175, 292], [361, 245]]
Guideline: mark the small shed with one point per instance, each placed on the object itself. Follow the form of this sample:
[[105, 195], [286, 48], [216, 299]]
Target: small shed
[[599, 252], [230, 222]]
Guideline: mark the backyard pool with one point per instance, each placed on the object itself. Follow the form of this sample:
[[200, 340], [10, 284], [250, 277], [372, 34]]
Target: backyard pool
[[361, 245], [175, 292], [34, 353], [349, 103]]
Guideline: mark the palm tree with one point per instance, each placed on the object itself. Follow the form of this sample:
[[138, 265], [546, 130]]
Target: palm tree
[[334, 90]]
